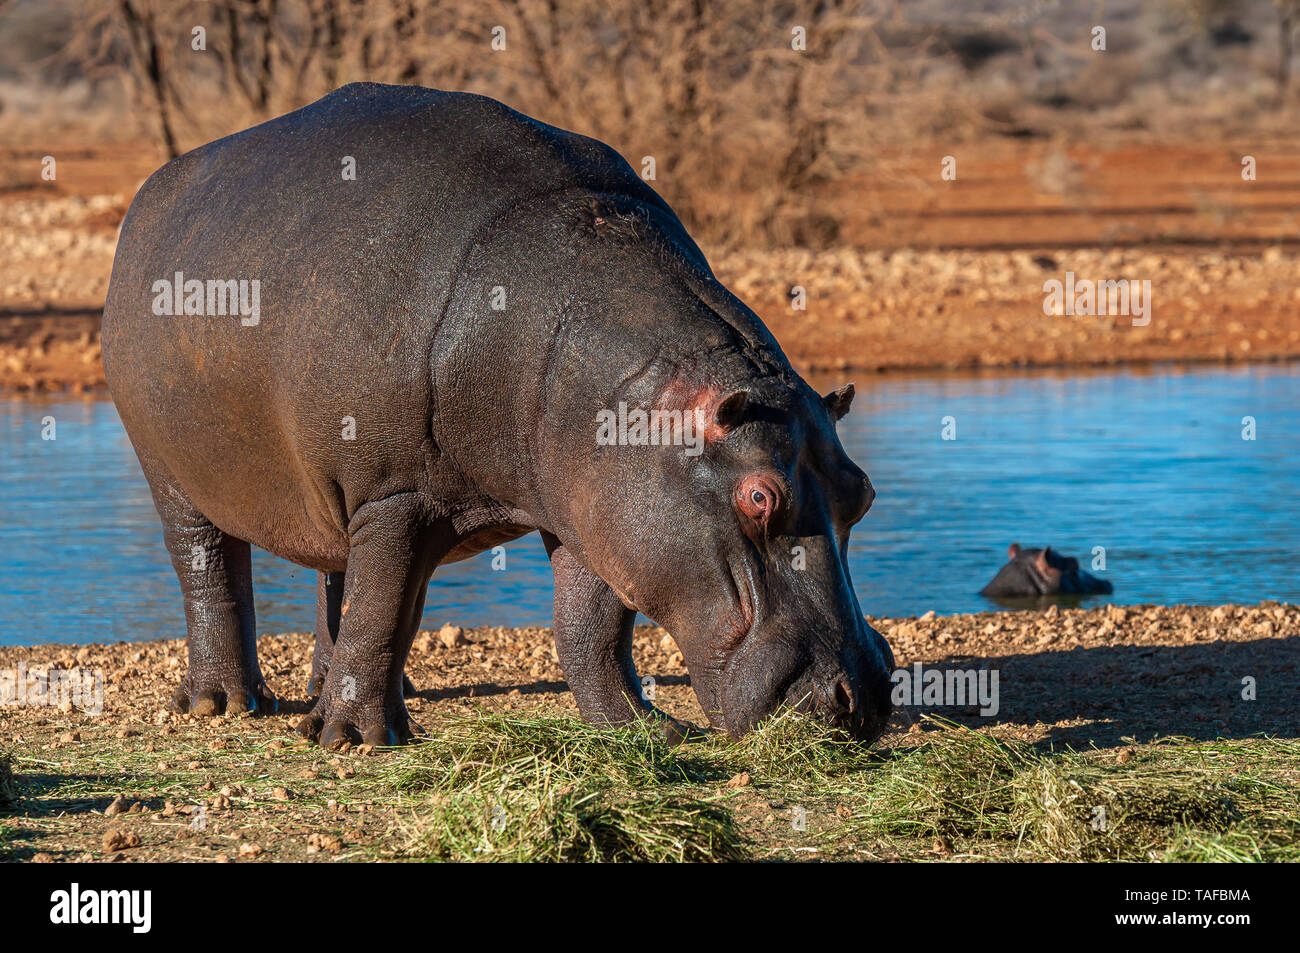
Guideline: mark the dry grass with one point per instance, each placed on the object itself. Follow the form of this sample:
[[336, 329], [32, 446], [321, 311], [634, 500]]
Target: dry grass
[[546, 788], [536, 786]]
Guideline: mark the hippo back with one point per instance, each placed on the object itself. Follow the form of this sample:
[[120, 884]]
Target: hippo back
[[354, 275]]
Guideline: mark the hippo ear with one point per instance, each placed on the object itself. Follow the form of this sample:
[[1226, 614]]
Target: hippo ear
[[837, 402], [1013, 551], [730, 409]]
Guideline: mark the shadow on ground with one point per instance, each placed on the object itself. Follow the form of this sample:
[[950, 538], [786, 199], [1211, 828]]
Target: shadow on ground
[[1102, 695]]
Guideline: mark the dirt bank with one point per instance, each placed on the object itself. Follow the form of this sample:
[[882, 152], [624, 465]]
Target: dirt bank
[[924, 273], [1106, 678]]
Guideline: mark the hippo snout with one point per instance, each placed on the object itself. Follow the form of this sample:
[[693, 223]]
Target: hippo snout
[[852, 694], [860, 710], [859, 704]]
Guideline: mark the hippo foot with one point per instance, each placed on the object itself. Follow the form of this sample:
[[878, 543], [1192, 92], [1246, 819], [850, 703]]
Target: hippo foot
[[217, 695], [334, 724], [680, 732]]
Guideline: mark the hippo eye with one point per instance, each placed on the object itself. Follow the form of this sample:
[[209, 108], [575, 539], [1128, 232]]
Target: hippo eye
[[758, 497]]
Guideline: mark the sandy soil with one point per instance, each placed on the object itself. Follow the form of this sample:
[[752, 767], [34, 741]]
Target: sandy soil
[[925, 273], [1103, 677]]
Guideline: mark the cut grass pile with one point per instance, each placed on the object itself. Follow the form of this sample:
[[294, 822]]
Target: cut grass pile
[[1176, 800], [556, 789], [492, 787]]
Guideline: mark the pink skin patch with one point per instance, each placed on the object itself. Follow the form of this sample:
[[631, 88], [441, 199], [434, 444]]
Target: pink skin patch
[[1049, 571], [758, 497], [702, 402]]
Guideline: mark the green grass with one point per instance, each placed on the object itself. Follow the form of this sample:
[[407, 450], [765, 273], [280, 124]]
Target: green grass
[[577, 824], [547, 788], [493, 751], [556, 789], [544, 787], [1173, 801]]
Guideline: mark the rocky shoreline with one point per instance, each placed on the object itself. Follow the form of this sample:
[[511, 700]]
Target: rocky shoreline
[[1148, 670], [1124, 686]]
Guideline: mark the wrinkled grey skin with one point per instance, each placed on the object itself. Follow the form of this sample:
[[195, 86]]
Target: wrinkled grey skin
[[1042, 572], [473, 425]]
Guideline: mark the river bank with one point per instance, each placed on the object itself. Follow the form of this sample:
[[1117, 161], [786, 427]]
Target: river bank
[[127, 784], [922, 273], [871, 312]]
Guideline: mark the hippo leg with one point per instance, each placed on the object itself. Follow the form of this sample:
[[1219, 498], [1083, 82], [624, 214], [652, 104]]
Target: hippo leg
[[593, 639], [215, 573], [329, 602], [389, 564]]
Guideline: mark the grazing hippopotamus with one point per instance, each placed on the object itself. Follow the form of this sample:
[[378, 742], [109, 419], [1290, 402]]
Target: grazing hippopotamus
[[1042, 572], [372, 375]]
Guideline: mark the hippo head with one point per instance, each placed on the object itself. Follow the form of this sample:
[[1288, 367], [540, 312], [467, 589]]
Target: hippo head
[[1042, 572], [738, 546]]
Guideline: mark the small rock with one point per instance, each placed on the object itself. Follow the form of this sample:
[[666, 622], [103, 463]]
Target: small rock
[[118, 806], [451, 636], [247, 849], [327, 842], [1125, 755], [115, 840], [740, 780]]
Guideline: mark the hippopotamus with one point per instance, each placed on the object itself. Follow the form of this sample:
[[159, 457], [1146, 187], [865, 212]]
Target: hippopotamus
[[388, 331], [1032, 573]]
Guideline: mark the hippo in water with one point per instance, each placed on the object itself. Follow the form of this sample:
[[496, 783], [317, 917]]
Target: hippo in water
[[1042, 572], [391, 330]]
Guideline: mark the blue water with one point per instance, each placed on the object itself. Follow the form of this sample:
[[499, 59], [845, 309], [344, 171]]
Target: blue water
[[1150, 465]]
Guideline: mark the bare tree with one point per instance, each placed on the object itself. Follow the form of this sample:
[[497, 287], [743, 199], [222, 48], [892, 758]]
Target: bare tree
[[147, 56], [713, 89]]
